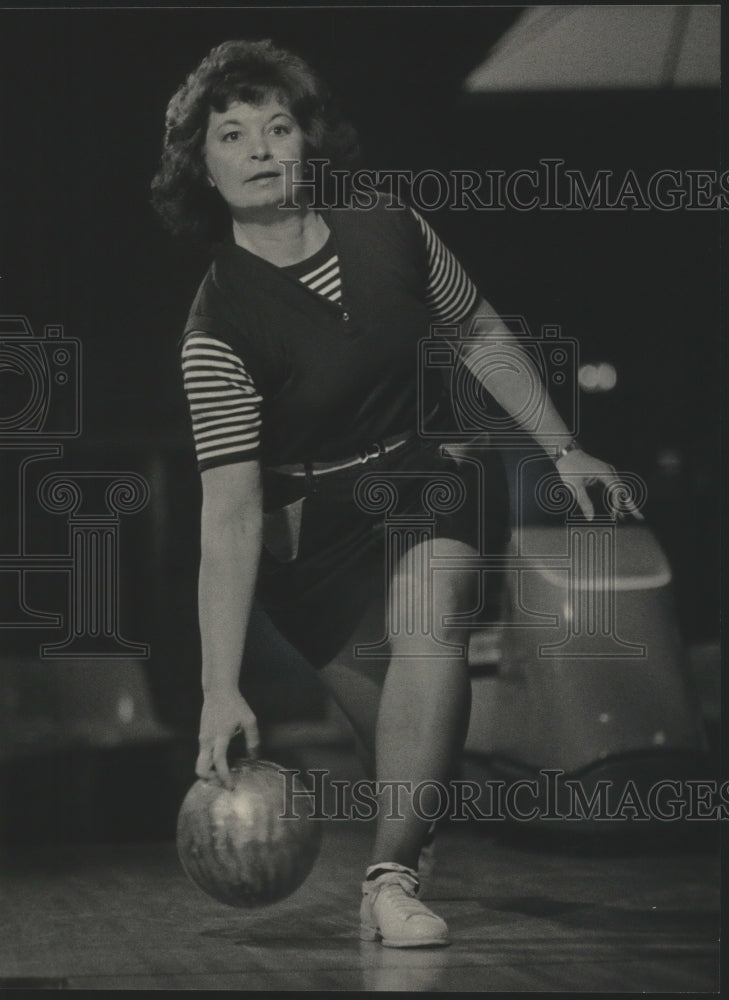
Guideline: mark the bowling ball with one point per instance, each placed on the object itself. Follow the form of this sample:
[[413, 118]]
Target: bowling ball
[[238, 846]]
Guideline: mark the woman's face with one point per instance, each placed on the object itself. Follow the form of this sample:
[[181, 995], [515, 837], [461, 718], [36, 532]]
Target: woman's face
[[244, 146]]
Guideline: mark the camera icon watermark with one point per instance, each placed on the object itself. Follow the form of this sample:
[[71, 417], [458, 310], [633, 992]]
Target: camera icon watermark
[[40, 376], [460, 364], [40, 409]]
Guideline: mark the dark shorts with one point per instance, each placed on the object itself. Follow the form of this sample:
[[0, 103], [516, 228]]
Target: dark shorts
[[347, 524]]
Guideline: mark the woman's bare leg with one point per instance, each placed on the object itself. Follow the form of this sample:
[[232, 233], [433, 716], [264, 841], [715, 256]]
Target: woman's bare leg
[[356, 682], [425, 705], [410, 714]]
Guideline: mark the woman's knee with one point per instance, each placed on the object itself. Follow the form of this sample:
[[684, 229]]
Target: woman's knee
[[429, 601]]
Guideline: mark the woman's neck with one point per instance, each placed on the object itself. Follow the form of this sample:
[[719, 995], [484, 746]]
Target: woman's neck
[[283, 239]]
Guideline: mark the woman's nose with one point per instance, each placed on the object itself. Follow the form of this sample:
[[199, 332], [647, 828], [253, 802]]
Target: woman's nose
[[261, 149]]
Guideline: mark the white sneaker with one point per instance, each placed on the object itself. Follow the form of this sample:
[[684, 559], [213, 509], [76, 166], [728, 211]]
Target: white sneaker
[[392, 914]]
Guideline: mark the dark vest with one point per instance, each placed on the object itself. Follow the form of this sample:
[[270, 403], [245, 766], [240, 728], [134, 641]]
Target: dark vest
[[334, 377]]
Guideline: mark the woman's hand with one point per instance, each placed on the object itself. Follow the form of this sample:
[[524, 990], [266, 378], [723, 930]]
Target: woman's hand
[[224, 715], [580, 470]]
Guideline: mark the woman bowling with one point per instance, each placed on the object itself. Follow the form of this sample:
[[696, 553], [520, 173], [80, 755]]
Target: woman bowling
[[300, 361]]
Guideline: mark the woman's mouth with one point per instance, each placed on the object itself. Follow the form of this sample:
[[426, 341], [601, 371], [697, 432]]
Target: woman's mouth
[[266, 175]]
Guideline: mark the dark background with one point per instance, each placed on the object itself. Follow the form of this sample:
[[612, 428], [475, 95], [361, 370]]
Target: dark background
[[84, 94]]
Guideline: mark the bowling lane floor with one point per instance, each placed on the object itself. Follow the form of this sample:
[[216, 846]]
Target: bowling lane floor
[[523, 919]]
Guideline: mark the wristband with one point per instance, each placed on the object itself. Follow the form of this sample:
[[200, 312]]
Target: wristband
[[573, 445]]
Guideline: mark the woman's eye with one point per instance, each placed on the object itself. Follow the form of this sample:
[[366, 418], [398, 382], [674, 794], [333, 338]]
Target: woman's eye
[[231, 136], [281, 130]]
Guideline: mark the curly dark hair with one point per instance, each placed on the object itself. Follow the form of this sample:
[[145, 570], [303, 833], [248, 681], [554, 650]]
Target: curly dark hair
[[250, 72]]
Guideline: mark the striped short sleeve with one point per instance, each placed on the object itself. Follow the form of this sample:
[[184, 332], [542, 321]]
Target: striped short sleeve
[[450, 295], [225, 405]]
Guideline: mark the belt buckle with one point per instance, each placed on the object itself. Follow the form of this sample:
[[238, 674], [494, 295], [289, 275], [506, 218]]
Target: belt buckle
[[372, 451]]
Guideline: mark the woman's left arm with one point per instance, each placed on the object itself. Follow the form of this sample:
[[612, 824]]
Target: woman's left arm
[[512, 379]]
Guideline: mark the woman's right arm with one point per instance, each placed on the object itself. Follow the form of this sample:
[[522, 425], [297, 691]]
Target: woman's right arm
[[231, 539]]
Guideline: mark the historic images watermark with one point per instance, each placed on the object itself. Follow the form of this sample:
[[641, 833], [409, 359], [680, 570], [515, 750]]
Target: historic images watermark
[[41, 409], [552, 796], [551, 185], [457, 362]]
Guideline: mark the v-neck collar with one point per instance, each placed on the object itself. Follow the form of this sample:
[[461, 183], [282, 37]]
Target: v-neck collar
[[319, 257], [285, 273]]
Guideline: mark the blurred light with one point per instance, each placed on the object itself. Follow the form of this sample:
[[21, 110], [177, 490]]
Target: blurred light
[[669, 462], [600, 377], [608, 377], [125, 709], [588, 378]]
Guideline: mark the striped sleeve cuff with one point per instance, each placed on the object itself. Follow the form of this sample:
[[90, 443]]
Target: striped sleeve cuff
[[225, 406]]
